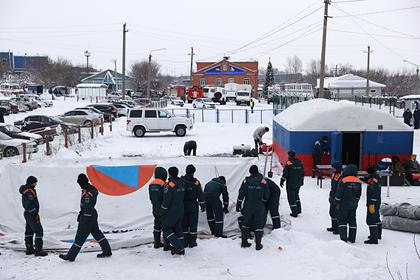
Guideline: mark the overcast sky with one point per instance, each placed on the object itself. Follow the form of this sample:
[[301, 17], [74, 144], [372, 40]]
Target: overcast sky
[[243, 29]]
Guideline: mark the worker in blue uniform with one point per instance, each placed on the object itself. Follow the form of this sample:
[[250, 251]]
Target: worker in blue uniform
[[347, 198], [272, 204], [172, 211], [33, 222], [253, 194], [156, 188], [335, 178], [194, 198], [320, 148], [214, 209], [293, 175], [88, 222]]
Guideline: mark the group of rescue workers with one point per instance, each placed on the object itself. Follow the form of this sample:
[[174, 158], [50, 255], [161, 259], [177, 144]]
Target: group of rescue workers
[[177, 200]]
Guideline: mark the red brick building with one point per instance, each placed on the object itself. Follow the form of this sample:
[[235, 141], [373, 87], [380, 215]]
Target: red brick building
[[222, 72]]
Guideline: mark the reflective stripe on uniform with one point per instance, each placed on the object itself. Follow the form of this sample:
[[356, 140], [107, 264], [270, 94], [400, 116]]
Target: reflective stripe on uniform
[[219, 222], [77, 245], [342, 226], [211, 220], [275, 217], [87, 215], [170, 235], [30, 211], [352, 227], [372, 225], [103, 238], [39, 236], [163, 207], [193, 233]]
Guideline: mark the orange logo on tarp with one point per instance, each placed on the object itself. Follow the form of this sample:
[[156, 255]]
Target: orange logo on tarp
[[119, 180]]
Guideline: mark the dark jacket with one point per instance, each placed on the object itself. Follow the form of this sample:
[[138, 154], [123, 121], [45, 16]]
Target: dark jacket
[[373, 190], [407, 115], [29, 199], [274, 192], [156, 188], [416, 114], [349, 188], [319, 148], [293, 173], [193, 193], [172, 208], [88, 202], [217, 187], [255, 192]]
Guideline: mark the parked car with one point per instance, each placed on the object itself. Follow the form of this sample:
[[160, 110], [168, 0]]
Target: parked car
[[174, 100], [16, 133], [204, 103], [36, 122], [5, 110], [80, 117], [106, 108], [123, 109], [14, 108], [142, 120], [42, 102], [13, 147], [27, 101]]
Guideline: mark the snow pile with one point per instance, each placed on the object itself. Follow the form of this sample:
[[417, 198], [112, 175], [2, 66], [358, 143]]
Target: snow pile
[[327, 115], [128, 218]]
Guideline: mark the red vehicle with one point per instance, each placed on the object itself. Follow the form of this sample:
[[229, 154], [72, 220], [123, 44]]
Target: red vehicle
[[193, 93]]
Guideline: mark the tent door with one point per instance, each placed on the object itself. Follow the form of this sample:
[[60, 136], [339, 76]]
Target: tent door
[[336, 147], [351, 148]]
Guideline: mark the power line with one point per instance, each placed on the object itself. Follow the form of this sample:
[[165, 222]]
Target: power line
[[379, 35], [382, 12]]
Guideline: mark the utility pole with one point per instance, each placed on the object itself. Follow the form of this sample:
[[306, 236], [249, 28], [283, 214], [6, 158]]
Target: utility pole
[[123, 61], [367, 71], [115, 74], [324, 43], [417, 75], [191, 64], [87, 54], [149, 71]]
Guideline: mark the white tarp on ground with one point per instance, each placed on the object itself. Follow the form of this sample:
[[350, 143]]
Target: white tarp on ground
[[327, 115], [126, 220]]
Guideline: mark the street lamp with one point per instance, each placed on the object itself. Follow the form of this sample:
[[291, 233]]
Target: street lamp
[[149, 72], [87, 54], [417, 73]]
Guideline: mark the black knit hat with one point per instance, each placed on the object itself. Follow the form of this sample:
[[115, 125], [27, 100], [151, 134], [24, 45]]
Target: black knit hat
[[31, 180], [223, 179], [291, 153], [267, 129], [82, 180], [190, 169], [253, 169], [173, 171]]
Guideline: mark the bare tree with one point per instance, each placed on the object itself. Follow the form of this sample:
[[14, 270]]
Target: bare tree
[[294, 65], [139, 72]]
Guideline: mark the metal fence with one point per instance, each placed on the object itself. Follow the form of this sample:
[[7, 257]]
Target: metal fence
[[226, 115]]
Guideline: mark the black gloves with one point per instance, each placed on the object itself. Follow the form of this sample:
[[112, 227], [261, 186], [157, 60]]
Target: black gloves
[[282, 182], [225, 209], [202, 208], [238, 207]]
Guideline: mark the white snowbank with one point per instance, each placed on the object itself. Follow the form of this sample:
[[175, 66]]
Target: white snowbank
[[328, 115]]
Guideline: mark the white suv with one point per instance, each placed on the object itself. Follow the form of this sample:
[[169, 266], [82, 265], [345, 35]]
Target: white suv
[[142, 120]]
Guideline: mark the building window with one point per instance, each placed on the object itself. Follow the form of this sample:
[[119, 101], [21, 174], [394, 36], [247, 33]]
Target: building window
[[218, 82], [246, 81], [231, 80], [202, 82]]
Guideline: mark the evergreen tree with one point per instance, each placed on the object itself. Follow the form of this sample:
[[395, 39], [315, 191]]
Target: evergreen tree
[[269, 79]]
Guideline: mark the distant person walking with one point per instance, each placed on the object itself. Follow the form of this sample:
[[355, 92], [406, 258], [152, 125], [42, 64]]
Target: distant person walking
[[320, 148], [190, 146], [416, 116], [252, 104], [407, 116]]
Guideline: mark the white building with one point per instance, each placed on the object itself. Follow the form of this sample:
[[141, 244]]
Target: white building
[[349, 85]]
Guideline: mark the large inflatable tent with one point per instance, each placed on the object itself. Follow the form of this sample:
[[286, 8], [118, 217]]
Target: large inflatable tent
[[124, 208], [357, 134]]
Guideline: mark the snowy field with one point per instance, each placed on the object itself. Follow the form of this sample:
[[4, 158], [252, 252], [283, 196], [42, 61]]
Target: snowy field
[[306, 251]]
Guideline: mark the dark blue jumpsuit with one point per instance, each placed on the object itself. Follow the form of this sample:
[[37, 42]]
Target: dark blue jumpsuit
[[272, 204], [347, 198], [373, 204], [33, 223], [156, 197], [319, 148], [293, 174], [193, 198], [335, 178], [214, 209], [88, 223], [254, 193], [172, 213]]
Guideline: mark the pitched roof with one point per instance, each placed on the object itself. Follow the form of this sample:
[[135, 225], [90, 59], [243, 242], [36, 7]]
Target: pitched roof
[[348, 81]]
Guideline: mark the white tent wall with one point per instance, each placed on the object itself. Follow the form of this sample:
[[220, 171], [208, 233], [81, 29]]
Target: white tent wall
[[126, 220]]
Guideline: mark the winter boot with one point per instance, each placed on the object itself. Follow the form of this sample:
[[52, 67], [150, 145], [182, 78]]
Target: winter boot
[[352, 234], [104, 255], [221, 236], [294, 215], [379, 225], [333, 227], [373, 237], [29, 249], [186, 239], [258, 245], [298, 207], [38, 248], [157, 243], [343, 232], [177, 251], [65, 257], [244, 237], [313, 173], [166, 245]]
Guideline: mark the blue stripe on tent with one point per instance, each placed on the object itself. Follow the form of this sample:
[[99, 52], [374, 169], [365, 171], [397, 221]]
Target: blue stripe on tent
[[388, 142], [128, 175]]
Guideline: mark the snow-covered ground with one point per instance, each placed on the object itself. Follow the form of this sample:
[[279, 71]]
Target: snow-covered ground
[[306, 251]]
